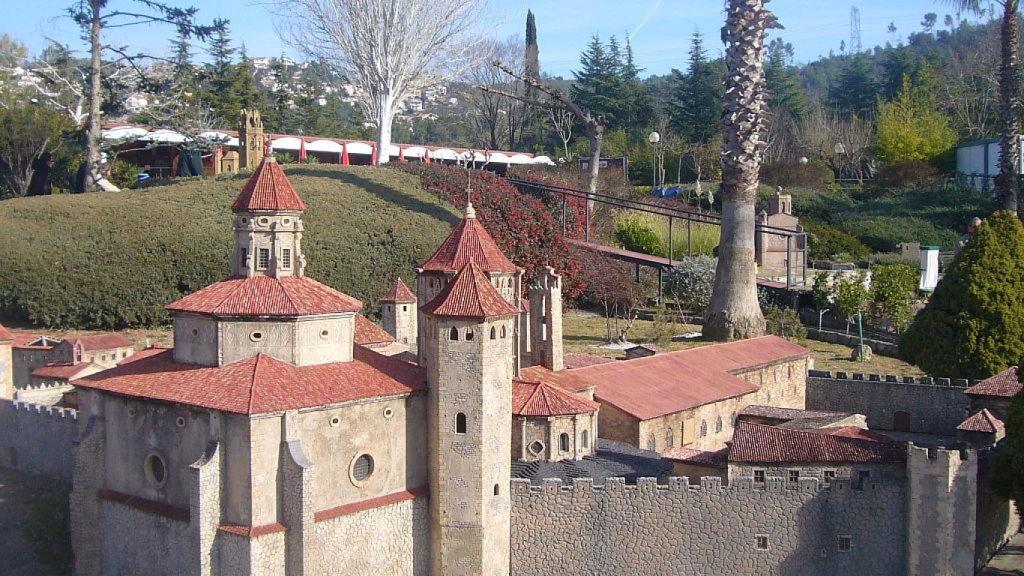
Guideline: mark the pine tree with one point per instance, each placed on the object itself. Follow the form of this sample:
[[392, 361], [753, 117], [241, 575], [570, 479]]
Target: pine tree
[[596, 82], [973, 325], [696, 105], [856, 91], [783, 80]]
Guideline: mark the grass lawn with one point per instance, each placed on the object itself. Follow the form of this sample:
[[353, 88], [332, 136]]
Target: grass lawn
[[584, 331]]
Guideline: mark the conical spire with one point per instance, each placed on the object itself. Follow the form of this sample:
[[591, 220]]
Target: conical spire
[[268, 190]]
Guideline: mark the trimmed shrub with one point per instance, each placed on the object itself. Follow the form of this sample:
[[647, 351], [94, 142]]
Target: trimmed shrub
[[109, 261], [893, 287], [826, 242], [521, 224], [885, 233], [691, 282], [634, 235], [973, 325], [784, 322], [787, 173]]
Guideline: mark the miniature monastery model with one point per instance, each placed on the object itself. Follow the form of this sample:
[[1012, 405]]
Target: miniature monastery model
[[285, 434]]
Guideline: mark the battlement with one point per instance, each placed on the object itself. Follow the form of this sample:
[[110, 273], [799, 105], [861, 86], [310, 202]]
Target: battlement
[[893, 379], [708, 485], [44, 409], [938, 458]]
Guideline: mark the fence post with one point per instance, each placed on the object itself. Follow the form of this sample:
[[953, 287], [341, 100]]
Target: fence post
[[789, 262], [689, 238], [670, 252]]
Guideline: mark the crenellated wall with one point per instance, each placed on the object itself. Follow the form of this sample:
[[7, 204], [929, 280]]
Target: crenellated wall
[[38, 439], [707, 529], [934, 405]]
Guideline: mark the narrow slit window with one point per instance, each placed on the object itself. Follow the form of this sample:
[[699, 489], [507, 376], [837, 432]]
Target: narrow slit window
[[563, 442], [503, 332], [585, 439], [243, 257], [497, 490], [460, 423], [494, 333]]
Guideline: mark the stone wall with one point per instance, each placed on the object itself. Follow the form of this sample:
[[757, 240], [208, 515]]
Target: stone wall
[[935, 405], [996, 519], [38, 439], [583, 529], [877, 346], [392, 539], [139, 542]]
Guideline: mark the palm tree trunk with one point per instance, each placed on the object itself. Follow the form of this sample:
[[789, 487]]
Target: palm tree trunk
[[734, 311], [1009, 106]]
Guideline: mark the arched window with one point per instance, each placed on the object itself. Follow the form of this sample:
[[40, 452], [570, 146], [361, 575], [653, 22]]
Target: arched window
[[460, 423], [703, 428], [469, 334], [496, 490], [718, 425], [453, 334], [669, 438], [494, 333], [563, 442], [503, 333], [585, 439]]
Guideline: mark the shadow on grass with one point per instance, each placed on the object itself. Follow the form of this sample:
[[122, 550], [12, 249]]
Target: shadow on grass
[[382, 191]]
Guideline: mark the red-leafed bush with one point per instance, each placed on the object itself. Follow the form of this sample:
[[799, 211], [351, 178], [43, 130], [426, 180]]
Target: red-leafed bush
[[575, 207], [521, 224]]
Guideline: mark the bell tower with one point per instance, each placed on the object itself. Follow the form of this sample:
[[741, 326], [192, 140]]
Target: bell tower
[[546, 320], [250, 139], [468, 343], [268, 225]]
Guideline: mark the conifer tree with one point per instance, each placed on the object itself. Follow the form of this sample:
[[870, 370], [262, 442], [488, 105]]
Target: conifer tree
[[596, 82], [856, 91], [911, 128], [696, 105], [973, 325], [783, 80]]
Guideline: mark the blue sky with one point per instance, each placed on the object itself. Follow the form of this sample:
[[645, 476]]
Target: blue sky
[[659, 29]]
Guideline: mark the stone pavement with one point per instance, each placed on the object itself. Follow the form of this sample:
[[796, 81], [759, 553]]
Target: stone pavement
[[16, 491], [1009, 561]]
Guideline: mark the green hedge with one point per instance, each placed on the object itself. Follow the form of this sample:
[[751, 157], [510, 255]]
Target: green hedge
[[113, 260]]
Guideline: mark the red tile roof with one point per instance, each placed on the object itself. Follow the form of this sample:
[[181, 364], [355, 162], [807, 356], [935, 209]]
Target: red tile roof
[[268, 189], [260, 384], [581, 360], [470, 295], [369, 334], [563, 379], [784, 414], [399, 293], [982, 421], [674, 381], [64, 371], [851, 432], [541, 399], [32, 340], [469, 242], [767, 444], [266, 296], [5, 335], [104, 341], [1005, 385], [700, 457]]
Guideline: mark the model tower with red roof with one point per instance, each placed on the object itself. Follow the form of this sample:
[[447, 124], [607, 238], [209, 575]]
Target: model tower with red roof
[[399, 313], [468, 331]]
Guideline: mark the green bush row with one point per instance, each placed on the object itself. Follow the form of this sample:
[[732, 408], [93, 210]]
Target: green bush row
[[114, 260]]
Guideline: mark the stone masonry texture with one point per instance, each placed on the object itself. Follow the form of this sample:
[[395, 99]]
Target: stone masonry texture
[[936, 406], [711, 529]]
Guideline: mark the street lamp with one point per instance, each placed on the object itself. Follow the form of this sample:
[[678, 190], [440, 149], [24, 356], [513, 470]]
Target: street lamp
[[654, 138], [840, 149]]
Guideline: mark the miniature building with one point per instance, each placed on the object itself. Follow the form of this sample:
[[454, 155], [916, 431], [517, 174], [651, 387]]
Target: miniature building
[[642, 351], [399, 314], [759, 452], [551, 424], [250, 139], [995, 393], [690, 398], [104, 350], [775, 253], [51, 382], [982, 429]]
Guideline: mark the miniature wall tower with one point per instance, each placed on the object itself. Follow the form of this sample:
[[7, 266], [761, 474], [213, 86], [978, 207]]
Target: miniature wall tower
[[468, 342], [780, 204], [941, 506], [546, 320], [250, 139], [398, 314]]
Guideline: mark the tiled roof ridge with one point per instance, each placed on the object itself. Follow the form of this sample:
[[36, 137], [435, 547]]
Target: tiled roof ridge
[[399, 292], [553, 401], [268, 189], [981, 421], [469, 241], [813, 446], [470, 294]]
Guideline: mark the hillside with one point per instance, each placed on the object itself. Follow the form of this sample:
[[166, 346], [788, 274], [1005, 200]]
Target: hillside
[[112, 260]]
